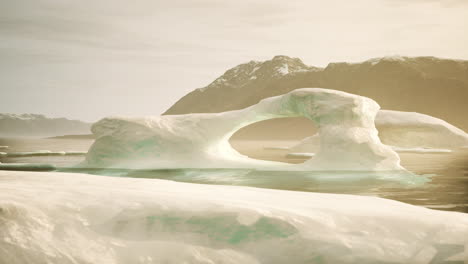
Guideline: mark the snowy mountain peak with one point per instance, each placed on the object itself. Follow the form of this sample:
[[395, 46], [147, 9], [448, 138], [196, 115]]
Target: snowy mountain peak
[[243, 74], [369, 62], [39, 125], [374, 61], [417, 62], [285, 65], [21, 116]]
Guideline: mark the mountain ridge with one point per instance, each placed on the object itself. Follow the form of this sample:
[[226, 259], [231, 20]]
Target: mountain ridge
[[40, 125], [429, 85]]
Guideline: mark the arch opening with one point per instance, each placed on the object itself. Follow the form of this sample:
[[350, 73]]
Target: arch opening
[[274, 139]]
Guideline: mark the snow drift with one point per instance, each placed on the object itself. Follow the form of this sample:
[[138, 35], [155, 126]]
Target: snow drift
[[78, 218], [345, 122]]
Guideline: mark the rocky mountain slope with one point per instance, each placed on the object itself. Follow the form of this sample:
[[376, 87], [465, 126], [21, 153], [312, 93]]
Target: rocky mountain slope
[[40, 125], [429, 85]]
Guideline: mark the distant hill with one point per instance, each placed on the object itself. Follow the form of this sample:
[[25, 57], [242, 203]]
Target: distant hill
[[40, 125], [429, 85]]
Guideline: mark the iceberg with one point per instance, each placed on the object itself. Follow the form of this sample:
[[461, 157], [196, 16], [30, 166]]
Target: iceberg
[[308, 144], [345, 122], [406, 132], [294, 155], [415, 130], [421, 150], [77, 218]]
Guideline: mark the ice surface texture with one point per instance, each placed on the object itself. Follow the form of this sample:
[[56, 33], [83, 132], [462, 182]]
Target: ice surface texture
[[77, 218], [345, 123]]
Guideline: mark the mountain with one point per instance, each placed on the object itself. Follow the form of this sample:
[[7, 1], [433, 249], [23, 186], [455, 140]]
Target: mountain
[[40, 125], [429, 85]]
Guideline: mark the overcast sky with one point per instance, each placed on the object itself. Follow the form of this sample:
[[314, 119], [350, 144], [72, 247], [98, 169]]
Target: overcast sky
[[86, 59]]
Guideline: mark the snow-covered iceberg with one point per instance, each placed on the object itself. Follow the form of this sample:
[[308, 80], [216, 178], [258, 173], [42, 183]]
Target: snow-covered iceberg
[[420, 150], [345, 122], [307, 145], [405, 132], [415, 130], [77, 218]]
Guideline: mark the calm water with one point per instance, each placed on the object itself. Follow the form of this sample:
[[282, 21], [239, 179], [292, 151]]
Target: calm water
[[38, 144], [440, 180]]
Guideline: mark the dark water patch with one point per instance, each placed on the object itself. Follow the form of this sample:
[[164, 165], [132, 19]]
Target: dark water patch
[[27, 167]]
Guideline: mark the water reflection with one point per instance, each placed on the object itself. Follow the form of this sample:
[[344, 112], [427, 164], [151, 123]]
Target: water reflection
[[439, 181]]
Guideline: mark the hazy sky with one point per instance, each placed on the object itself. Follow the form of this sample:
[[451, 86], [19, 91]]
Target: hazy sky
[[86, 59]]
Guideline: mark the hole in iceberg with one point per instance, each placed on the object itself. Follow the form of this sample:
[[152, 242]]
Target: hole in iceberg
[[273, 139]]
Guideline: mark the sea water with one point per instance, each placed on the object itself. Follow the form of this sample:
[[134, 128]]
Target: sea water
[[440, 180]]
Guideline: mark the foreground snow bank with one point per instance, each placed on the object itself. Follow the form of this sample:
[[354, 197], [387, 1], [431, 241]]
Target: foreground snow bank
[[77, 218], [348, 136]]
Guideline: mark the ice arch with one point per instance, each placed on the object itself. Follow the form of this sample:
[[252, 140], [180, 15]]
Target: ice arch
[[345, 122]]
